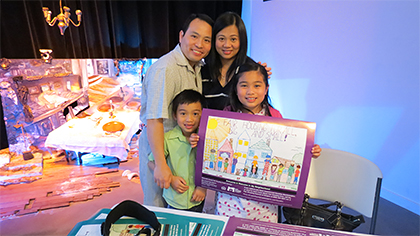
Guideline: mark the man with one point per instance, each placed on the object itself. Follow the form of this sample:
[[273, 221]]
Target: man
[[172, 73]]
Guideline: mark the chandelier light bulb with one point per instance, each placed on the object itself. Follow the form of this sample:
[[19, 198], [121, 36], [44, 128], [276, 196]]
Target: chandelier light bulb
[[63, 19]]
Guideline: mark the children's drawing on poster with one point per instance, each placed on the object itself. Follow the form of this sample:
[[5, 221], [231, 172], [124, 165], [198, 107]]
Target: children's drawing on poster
[[273, 157], [244, 153]]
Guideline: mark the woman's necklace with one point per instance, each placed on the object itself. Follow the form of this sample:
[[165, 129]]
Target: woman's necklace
[[223, 80]]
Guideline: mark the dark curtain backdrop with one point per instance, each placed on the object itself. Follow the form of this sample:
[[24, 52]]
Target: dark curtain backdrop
[[109, 29]]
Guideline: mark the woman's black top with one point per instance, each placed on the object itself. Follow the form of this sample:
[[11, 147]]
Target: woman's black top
[[216, 95]]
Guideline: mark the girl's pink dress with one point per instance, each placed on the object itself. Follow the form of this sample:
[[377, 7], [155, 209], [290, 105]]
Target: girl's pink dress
[[228, 205]]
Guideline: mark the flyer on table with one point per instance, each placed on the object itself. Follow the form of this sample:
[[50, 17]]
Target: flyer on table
[[259, 158], [244, 227]]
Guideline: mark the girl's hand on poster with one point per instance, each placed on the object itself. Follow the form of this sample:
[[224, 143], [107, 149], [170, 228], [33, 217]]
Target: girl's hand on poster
[[316, 151], [194, 140], [268, 69], [179, 184], [199, 194]]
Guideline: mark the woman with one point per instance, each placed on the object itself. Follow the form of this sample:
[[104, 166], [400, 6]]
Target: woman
[[228, 51]]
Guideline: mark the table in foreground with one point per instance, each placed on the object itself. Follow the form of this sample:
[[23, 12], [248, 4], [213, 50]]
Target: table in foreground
[[177, 222]]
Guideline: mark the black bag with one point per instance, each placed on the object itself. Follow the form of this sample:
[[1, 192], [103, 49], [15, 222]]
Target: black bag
[[320, 216], [133, 209]]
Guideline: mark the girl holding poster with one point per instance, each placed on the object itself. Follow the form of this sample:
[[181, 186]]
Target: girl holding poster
[[249, 94]]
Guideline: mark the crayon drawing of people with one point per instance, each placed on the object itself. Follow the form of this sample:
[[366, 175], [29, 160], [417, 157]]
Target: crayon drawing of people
[[212, 159], [254, 162], [297, 172], [254, 171], [225, 151], [291, 171], [267, 163], [234, 162], [279, 172], [223, 161], [283, 177], [273, 171], [219, 163], [245, 171], [225, 165]]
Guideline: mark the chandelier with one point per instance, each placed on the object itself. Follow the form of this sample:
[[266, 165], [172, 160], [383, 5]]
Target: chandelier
[[62, 18]]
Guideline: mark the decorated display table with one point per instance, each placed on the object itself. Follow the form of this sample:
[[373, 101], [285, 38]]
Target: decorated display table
[[98, 133]]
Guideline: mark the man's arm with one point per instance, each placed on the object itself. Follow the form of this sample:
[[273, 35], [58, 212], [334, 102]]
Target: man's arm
[[155, 135]]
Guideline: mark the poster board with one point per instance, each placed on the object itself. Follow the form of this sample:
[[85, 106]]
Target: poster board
[[244, 155], [245, 227]]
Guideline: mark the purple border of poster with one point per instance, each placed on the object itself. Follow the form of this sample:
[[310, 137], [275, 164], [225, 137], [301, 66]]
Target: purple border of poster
[[253, 227], [254, 190]]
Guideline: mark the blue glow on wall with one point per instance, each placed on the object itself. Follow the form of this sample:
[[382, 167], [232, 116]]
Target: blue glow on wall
[[353, 68]]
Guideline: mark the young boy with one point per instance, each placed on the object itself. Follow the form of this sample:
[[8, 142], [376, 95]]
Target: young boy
[[180, 156]]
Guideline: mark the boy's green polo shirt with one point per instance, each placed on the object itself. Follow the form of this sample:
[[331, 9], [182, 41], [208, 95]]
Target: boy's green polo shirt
[[181, 159]]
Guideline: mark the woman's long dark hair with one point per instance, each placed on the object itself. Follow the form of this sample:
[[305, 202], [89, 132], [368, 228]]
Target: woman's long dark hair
[[235, 104], [213, 59]]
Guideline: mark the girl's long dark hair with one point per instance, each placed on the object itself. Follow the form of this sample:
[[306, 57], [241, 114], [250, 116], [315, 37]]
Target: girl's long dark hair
[[213, 59], [235, 104]]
